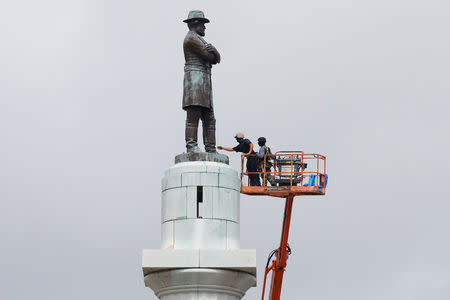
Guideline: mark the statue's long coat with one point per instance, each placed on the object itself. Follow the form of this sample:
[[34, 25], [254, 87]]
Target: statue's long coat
[[197, 72]]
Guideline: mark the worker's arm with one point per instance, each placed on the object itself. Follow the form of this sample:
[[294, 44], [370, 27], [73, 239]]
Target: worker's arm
[[250, 149], [261, 152], [225, 148]]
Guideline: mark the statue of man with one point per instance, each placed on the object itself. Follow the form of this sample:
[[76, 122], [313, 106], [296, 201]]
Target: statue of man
[[197, 92]]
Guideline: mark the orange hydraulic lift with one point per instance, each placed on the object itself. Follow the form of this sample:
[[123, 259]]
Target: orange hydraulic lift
[[289, 178]]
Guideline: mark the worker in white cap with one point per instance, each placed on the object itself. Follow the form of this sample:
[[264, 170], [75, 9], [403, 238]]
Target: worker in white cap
[[246, 147]]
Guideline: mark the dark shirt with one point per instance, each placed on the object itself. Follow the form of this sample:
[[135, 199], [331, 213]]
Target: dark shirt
[[244, 147]]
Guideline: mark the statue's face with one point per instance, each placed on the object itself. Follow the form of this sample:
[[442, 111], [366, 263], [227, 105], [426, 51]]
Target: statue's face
[[199, 28]]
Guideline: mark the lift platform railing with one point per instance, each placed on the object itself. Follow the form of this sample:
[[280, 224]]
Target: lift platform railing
[[286, 173]]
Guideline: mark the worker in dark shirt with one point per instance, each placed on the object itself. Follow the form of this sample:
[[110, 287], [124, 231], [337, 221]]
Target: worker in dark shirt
[[246, 147], [265, 162]]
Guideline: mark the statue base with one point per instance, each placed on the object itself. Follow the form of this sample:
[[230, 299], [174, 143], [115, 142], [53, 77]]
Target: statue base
[[202, 156]]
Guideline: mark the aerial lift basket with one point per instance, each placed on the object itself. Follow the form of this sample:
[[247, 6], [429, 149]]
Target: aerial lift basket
[[293, 173]]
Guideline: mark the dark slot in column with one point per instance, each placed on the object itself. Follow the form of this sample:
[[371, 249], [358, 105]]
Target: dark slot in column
[[199, 199]]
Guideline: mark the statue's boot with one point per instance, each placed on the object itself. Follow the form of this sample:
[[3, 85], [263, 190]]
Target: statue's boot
[[191, 139], [209, 136]]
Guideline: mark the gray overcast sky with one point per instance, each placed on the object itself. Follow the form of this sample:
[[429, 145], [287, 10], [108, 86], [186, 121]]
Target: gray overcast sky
[[90, 117]]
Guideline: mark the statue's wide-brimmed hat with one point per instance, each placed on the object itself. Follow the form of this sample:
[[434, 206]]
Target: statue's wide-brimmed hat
[[196, 15]]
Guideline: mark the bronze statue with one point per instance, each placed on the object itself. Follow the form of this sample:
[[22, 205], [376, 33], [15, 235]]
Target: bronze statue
[[197, 93]]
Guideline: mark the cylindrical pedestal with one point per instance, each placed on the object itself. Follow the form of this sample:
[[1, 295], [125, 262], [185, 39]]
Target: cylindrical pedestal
[[192, 284], [200, 256], [200, 206]]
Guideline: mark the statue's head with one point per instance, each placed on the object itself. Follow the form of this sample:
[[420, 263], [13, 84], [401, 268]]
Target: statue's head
[[196, 22], [198, 27]]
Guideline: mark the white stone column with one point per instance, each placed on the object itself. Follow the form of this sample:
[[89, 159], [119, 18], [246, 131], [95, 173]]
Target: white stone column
[[200, 255]]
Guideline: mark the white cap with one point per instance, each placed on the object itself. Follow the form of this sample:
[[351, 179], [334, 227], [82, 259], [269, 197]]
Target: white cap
[[239, 135]]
